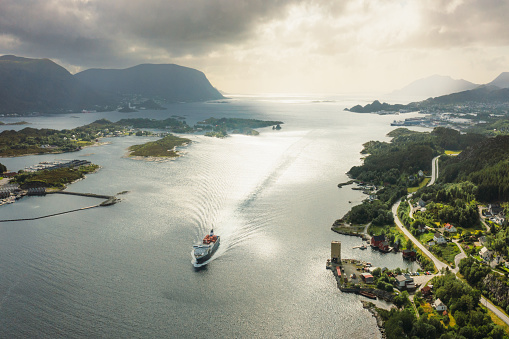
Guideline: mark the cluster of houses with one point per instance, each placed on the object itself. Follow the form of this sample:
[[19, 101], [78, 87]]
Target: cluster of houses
[[438, 305], [495, 214], [45, 165]]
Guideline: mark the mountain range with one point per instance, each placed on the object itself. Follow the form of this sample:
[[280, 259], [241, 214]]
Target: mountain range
[[41, 85], [496, 91], [433, 86]]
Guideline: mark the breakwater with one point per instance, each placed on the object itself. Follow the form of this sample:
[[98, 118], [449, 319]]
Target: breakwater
[[110, 200], [51, 215]]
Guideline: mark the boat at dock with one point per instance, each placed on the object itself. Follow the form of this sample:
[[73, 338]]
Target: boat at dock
[[206, 249], [367, 294]]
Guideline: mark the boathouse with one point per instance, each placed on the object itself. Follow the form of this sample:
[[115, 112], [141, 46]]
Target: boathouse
[[376, 240]]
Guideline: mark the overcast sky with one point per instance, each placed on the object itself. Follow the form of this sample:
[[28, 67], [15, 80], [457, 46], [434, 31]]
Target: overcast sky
[[262, 46]]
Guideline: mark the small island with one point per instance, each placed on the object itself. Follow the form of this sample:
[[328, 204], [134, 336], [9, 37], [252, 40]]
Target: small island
[[376, 106], [14, 123], [165, 147], [219, 128]]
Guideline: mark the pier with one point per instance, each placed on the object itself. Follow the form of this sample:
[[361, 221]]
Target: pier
[[91, 195]]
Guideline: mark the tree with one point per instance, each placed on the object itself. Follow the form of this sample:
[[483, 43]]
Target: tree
[[2, 168]]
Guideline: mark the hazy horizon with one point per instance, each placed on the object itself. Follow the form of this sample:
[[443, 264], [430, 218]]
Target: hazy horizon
[[287, 46]]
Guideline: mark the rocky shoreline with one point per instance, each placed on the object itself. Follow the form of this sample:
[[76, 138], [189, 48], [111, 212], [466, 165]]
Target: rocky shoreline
[[379, 322]]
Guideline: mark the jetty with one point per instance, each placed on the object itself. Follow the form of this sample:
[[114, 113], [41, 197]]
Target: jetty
[[90, 195], [109, 200]]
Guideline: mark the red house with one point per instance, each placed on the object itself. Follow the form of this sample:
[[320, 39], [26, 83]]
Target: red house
[[409, 254], [376, 240], [383, 246], [426, 290]]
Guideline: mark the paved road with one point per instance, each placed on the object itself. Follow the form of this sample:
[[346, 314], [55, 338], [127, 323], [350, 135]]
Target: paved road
[[438, 264], [495, 310], [459, 256], [434, 170]]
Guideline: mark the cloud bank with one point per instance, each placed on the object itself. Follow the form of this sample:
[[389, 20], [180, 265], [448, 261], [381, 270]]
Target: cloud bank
[[306, 45]]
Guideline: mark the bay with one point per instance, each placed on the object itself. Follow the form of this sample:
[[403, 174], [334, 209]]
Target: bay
[[126, 271]]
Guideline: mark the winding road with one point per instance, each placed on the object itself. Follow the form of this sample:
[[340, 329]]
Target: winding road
[[439, 264]]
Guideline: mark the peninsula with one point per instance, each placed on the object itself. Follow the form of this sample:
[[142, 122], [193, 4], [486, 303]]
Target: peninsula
[[455, 223]]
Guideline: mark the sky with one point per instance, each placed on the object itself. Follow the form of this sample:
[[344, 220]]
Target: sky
[[270, 46]]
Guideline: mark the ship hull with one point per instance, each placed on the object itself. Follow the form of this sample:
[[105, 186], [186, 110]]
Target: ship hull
[[210, 253]]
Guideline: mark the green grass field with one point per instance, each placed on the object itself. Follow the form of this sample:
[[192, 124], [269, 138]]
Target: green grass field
[[421, 185]]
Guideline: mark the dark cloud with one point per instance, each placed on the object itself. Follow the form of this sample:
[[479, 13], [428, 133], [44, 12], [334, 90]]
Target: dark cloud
[[109, 32], [121, 33], [470, 23]]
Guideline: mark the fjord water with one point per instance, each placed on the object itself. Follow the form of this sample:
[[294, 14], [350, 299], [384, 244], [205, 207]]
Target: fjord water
[[126, 270]]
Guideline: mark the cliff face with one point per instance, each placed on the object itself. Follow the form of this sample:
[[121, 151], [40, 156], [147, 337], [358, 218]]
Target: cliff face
[[497, 288]]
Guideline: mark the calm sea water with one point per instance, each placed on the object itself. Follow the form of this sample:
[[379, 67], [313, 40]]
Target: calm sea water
[[126, 270]]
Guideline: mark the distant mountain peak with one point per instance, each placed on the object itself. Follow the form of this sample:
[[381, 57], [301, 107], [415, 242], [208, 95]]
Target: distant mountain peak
[[433, 86], [502, 81]]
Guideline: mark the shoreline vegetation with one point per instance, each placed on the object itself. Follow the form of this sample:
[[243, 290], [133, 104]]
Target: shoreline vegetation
[[31, 141], [473, 174], [14, 123], [165, 147], [56, 179]]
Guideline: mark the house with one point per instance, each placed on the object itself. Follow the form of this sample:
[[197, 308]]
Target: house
[[439, 238], [409, 282], [426, 290], [450, 228], [405, 282], [494, 209], [383, 246], [497, 219], [420, 173], [367, 278], [482, 240], [400, 281], [409, 254], [421, 203], [421, 228], [431, 243], [439, 306], [485, 254], [376, 240], [506, 264]]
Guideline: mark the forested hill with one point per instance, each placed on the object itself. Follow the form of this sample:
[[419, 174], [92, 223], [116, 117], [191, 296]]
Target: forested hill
[[172, 83], [28, 85], [485, 164]]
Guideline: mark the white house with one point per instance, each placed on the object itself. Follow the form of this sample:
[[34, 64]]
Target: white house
[[421, 203], [439, 238], [439, 305], [485, 254]]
